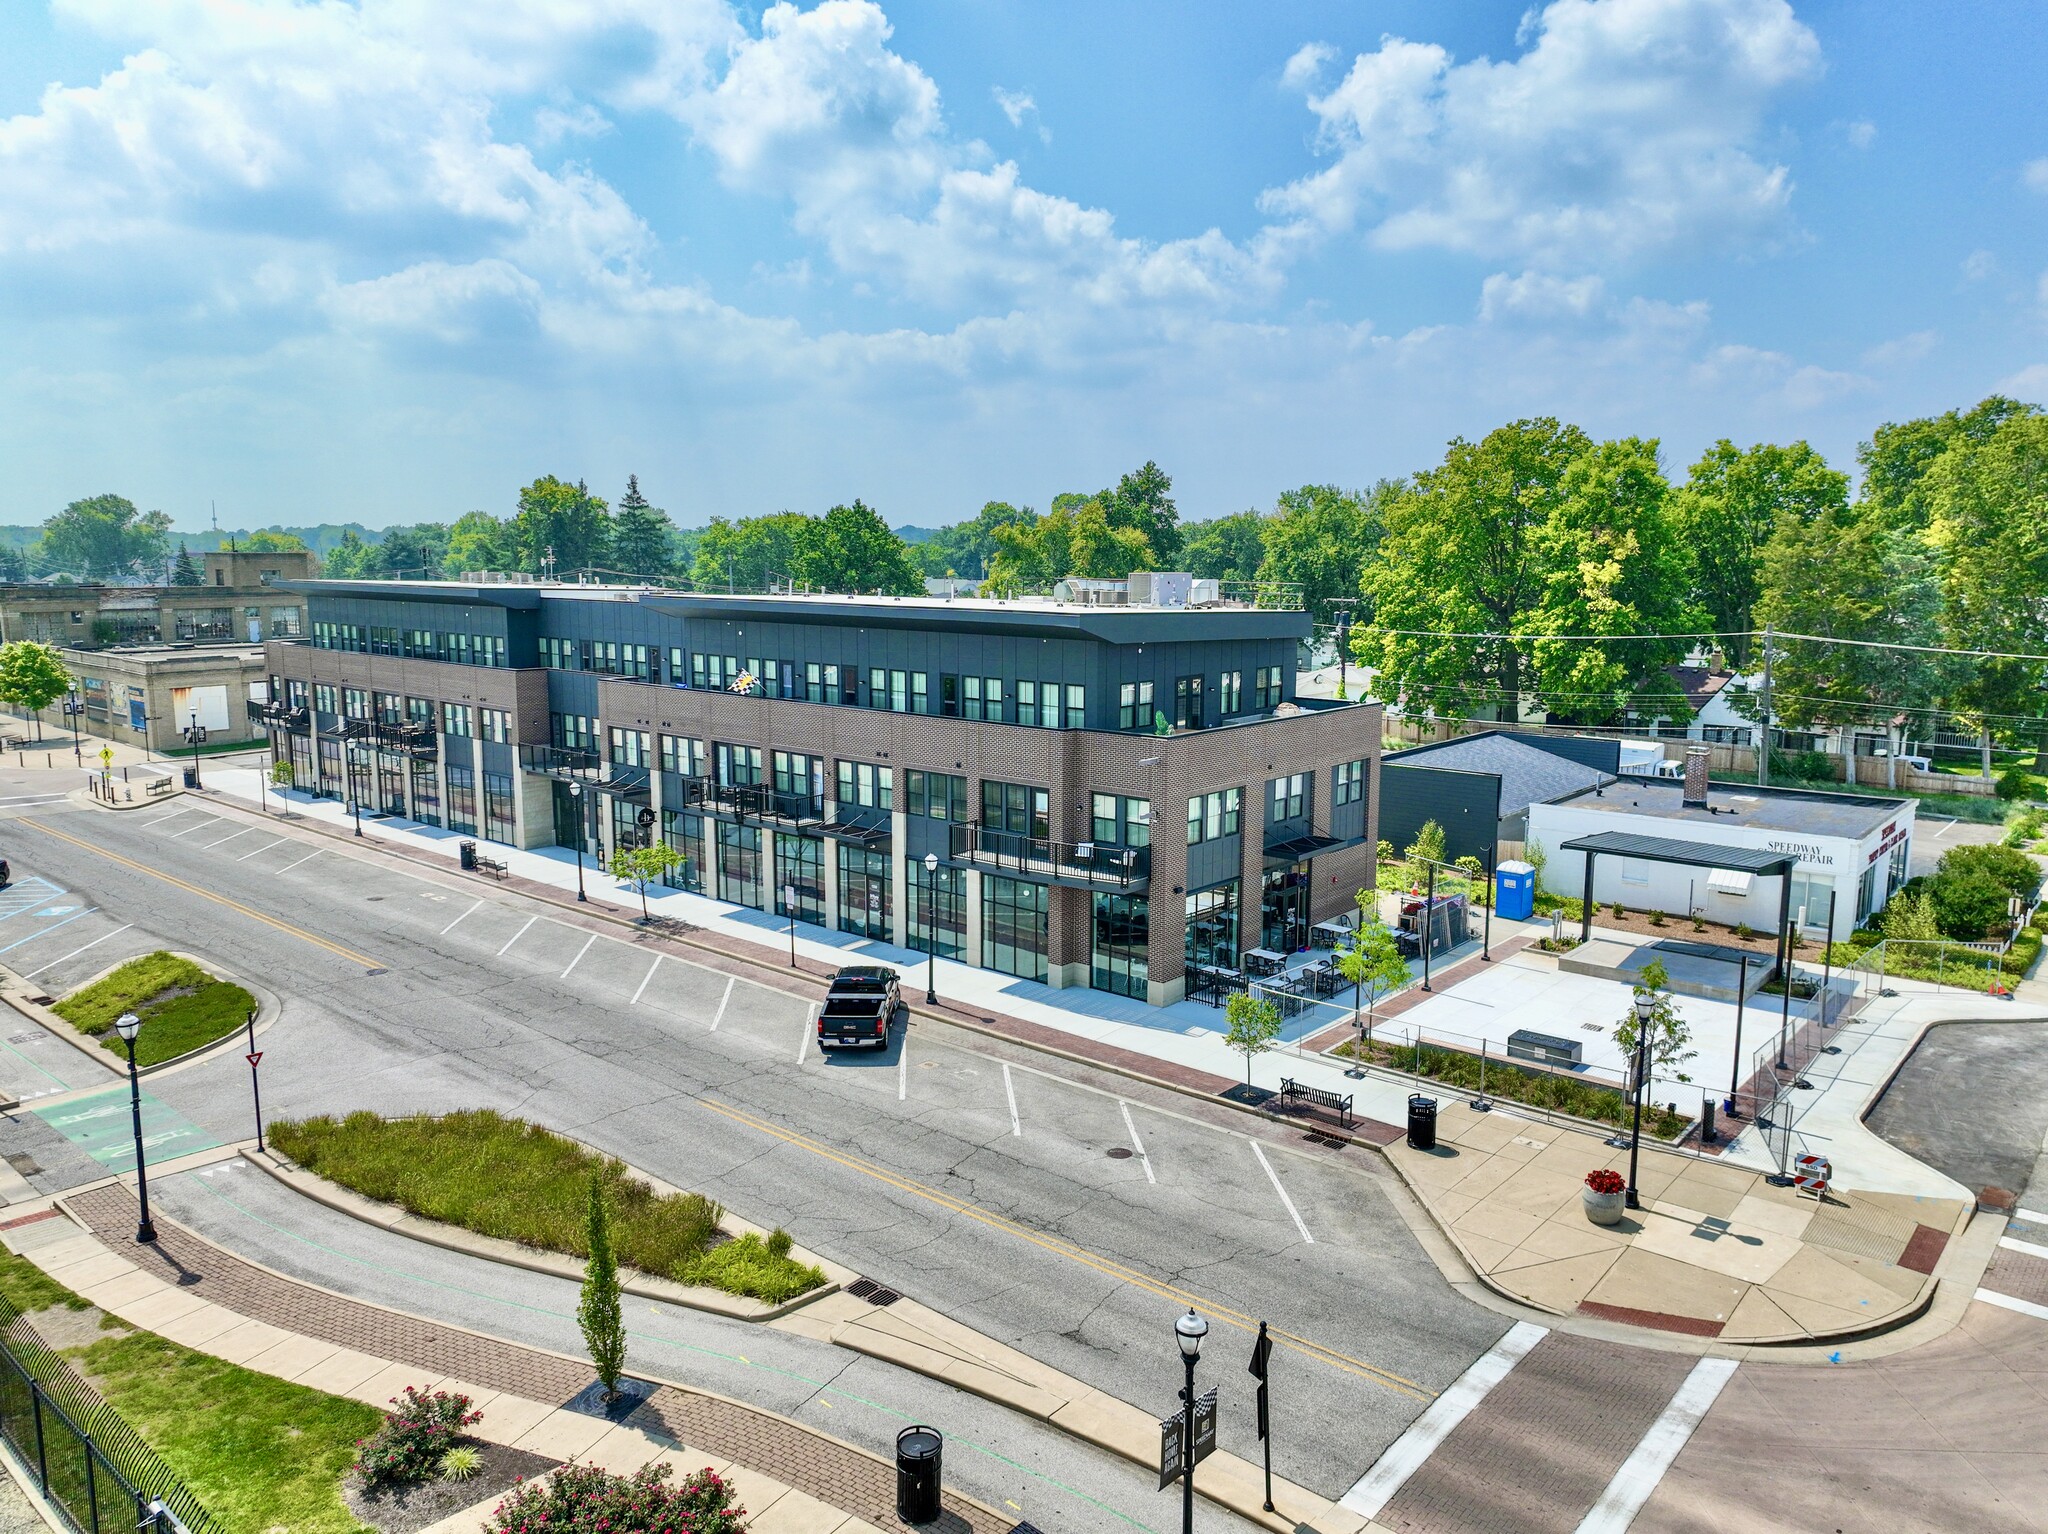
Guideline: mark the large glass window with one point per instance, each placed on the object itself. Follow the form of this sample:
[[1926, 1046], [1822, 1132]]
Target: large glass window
[[1289, 796], [462, 799], [1077, 706], [800, 780], [939, 795], [1215, 815], [1187, 703], [1268, 695], [684, 831], [1230, 696], [1121, 821], [1015, 916], [330, 768], [1810, 899], [498, 818], [1134, 706], [456, 719], [739, 865], [426, 794], [738, 766], [573, 732], [1212, 927], [864, 890], [681, 754], [938, 910], [1016, 808], [1123, 932], [1349, 781], [862, 785], [800, 866], [630, 748]]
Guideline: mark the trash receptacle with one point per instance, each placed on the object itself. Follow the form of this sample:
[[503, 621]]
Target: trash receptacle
[[465, 853], [191, 777], [1422, 1122], [918, 1452]]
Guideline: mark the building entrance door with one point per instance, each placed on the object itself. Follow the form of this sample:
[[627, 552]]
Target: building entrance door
[[1283, 912]]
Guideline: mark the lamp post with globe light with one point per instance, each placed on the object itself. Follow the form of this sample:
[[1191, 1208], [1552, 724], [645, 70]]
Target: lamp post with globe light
[[128, 1025], [576, 793], [931, 929], [1188, 1331]]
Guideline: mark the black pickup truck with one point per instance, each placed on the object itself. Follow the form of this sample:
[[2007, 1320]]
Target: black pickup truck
[[859, 1007]]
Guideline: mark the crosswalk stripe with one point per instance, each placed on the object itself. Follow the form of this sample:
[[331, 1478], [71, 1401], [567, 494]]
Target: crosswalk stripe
[[1644, 1468]]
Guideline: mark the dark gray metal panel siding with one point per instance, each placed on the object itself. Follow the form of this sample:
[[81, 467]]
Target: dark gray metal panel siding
[[1212, 862], [1465, 804]]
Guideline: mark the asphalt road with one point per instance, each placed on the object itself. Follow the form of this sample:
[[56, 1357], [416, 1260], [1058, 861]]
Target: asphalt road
[[1973, 1101], [965, 1174]]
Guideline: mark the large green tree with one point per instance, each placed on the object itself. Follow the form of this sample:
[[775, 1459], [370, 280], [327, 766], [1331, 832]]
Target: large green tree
[[416, 551], [966, 549], [743, 555], [478, 542], [851, 548], [349, 560], [1076, 538], [1460, 557], [1228, 549], [1142, 502], [1319, 538], [1899, 456], [32, 677], [104, 537], [266, 541], [1989, 527], [562, 522], [643, 539], [1727, 510]]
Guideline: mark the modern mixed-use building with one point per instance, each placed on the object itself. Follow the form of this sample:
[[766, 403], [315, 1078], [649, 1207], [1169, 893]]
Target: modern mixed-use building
[[1110, 791]]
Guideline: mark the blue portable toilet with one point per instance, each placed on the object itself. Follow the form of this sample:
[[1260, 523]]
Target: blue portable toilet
[[1514, 886]]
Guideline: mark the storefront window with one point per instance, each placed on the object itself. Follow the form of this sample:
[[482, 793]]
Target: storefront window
[[800, 866], [1212, 927], [739, 865], [1014, 922], [462, 799], [498, 822], [938, 910], [684, 831], [426, 794], [1123, 933], [863, 891]]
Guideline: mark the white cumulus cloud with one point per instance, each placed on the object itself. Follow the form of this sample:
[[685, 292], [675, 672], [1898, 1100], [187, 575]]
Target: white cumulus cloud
[[1623, 127]]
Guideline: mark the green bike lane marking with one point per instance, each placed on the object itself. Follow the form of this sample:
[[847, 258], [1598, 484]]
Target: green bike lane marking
[[101, 1125]]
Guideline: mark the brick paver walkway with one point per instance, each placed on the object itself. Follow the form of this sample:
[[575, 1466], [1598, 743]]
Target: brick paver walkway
[[1535, 1455], [822, 1467]]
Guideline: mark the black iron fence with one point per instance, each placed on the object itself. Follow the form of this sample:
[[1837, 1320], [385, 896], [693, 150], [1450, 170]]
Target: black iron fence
[[86, 1460]]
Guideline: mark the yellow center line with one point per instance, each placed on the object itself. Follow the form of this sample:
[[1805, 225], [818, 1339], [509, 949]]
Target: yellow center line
[[374, 966], [1079, 1254]]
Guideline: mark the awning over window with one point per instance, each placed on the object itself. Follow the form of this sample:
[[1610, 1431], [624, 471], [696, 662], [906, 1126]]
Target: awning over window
[[1730, 881]]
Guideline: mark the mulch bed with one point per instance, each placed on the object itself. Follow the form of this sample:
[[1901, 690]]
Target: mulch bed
[[403, 1509]]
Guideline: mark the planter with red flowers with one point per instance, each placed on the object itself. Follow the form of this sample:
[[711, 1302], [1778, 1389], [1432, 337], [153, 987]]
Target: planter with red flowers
[[1602, 1196]]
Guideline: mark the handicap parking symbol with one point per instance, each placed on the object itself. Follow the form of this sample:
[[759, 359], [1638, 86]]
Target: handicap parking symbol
[[57, 910]]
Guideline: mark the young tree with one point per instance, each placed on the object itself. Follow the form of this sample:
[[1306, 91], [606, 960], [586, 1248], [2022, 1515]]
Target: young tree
[[1910, 918], [643, 541], [1428, 846], [1724, 514], [565, 519], [185, 572], [1372, 962], [1254, 1027], [598, 1312], [1670, 1038], [647, 865], [104, 536], [32, 677]]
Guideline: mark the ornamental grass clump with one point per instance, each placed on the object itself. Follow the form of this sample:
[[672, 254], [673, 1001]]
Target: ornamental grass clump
[[583, 1499], [418, 1433]]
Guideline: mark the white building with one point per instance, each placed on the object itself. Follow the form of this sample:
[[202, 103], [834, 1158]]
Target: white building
[[1853, 849]]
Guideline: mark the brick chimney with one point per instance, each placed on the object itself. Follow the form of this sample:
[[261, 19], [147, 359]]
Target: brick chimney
[[1696, 759]]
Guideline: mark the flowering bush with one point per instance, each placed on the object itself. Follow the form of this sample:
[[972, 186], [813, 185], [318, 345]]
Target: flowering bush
[[583, 1499], [417, 1432], [1605, 1181]]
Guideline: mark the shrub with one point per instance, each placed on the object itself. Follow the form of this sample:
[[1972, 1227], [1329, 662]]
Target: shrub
[[779, 1242], [748, 1267], [1656, 918], [2020, 874], [460, 1463], [416, 1436], [2013, 783], [1619, 910], [1968, 905], [1605, 1180], [583, 1499]]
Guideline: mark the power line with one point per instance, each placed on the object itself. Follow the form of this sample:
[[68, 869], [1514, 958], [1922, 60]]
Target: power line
[[1868, 644]]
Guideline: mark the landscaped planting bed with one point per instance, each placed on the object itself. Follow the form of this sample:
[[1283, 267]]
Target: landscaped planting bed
[[182, 1007], [504, 1177], [1538, 1089]]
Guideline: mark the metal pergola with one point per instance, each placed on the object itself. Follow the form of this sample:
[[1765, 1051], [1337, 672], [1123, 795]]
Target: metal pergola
[[1664, 849]]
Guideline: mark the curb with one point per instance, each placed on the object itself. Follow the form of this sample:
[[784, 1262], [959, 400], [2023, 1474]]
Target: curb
[[509, 1253]]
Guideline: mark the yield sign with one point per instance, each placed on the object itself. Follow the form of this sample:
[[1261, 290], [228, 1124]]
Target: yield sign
[[254, 1057]]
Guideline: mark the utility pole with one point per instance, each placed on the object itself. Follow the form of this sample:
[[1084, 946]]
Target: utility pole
[[1763, 749]]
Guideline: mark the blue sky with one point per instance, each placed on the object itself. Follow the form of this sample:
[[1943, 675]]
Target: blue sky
[[390, 260]]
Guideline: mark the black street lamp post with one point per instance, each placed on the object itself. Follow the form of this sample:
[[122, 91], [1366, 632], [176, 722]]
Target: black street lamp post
[[128, 1025], [576, 793], [1646, 1009], [195, 734], [931, 929], [1188, 1331], [74, 708]]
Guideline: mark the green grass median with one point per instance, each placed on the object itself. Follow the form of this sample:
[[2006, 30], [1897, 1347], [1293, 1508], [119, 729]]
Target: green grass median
[[182, 1007]]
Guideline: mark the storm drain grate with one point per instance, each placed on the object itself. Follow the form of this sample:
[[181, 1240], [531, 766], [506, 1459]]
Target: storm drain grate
[[884, 1297], [1118, 1153], [861, 1288]]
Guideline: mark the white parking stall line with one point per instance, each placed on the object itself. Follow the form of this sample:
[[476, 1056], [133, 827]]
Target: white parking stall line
[[1644, 1468], [1137, 1144], [1274, 1177], [34, 799], [164, 820], [645, 978], [1010, 1087], [459, 920], [1407, 1454], [231, 836], [2009, 1302], [719, 1016], [903, 1070], [803, 1043], [77, 951], [211, 820], [244, 857], [587, 942], [515, 937], [67, 921], [306, 859]]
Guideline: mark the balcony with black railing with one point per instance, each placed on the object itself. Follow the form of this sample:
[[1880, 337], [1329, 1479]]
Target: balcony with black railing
[[405, 738], [279, 716], [1074, 865], [568, 764], [764, 801]]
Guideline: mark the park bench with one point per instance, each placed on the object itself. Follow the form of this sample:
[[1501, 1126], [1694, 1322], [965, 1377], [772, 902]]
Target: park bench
[[158, 786], [1293, 1092], [491, 866]]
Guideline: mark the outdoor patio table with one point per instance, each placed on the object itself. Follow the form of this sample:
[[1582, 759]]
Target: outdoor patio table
[[1328, 934], [1263, 961]]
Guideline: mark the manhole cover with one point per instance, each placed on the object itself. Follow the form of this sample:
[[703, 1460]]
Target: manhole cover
[[1118, 1153]]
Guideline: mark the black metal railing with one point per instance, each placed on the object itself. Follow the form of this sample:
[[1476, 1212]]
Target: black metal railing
[[572, 765], [87, 1461], [763, 801], [1095, 864], [279, 716], [404, 738]]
